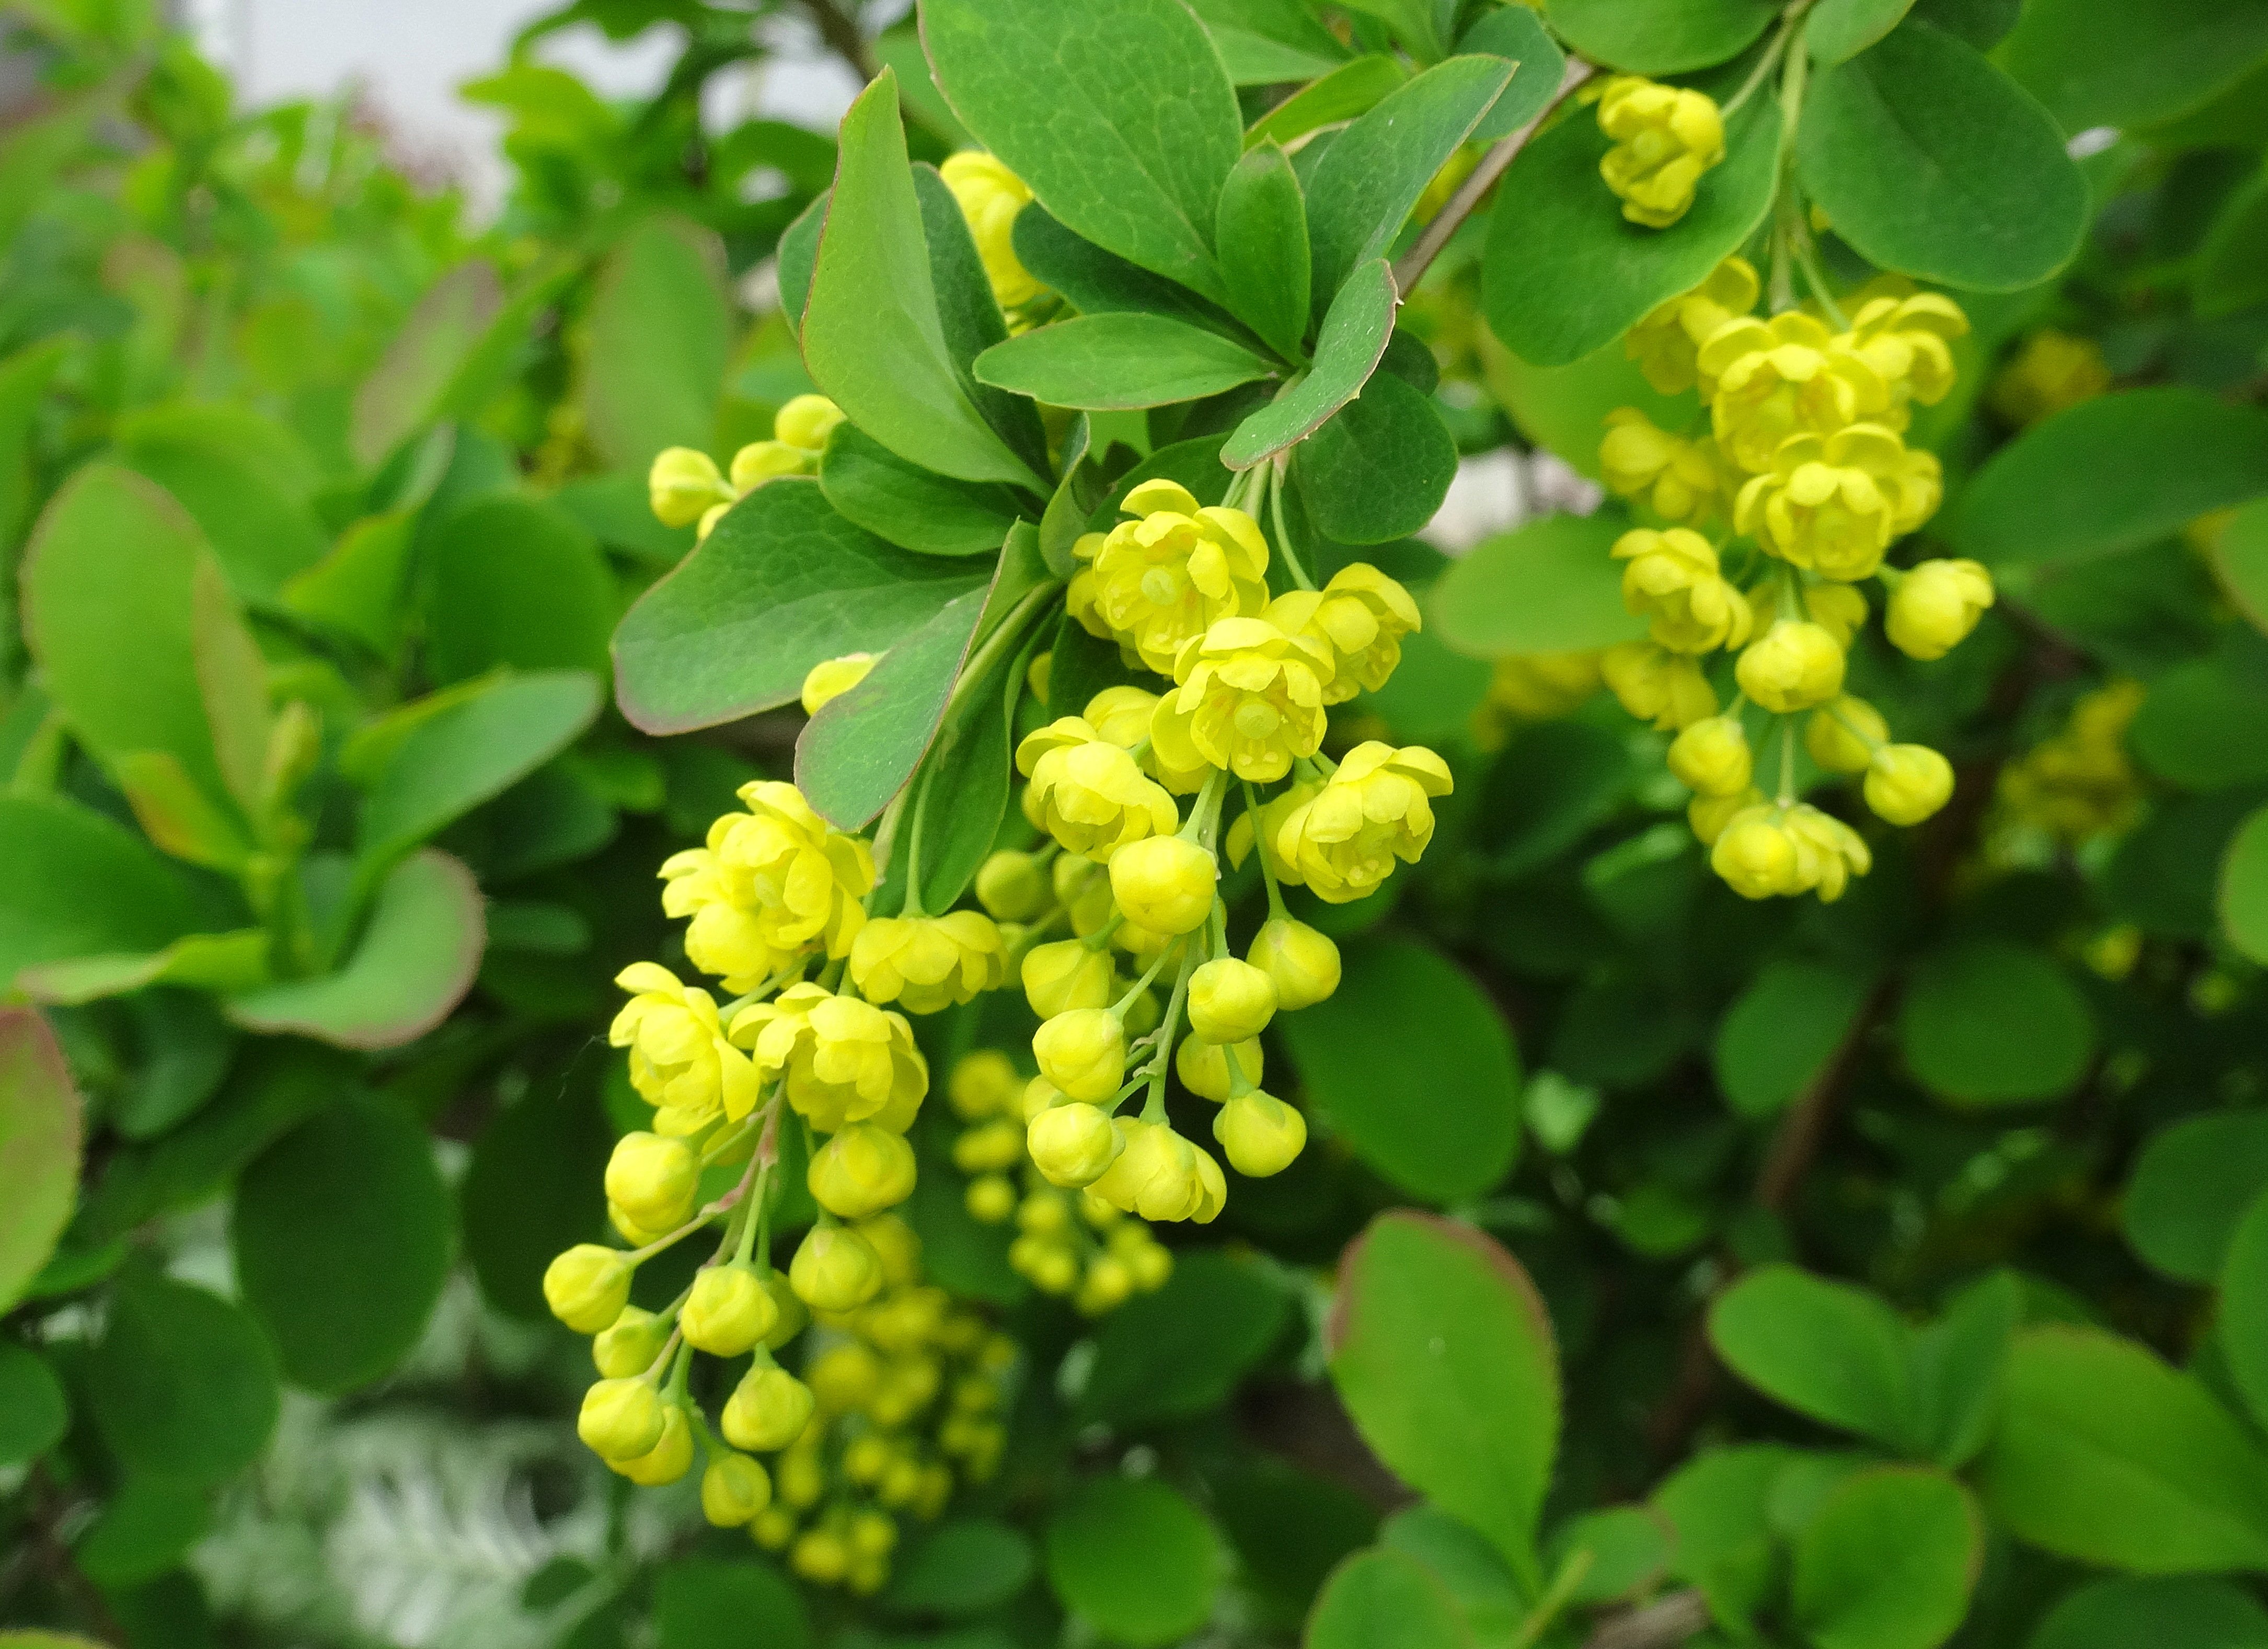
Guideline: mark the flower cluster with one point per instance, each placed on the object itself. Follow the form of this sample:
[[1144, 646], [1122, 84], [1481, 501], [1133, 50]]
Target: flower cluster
[[1662, 139], [2080, 783], [687, 489], [1771, 516]]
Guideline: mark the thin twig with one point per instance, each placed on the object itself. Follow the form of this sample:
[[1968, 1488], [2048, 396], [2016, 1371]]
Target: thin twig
[[1803, 1128], [1420, 257], [1657, 1626]]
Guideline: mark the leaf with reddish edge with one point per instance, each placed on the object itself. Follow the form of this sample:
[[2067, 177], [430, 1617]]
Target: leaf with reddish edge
[[39, 1140]]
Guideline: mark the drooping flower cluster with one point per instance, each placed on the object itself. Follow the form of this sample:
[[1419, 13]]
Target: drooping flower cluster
[[1772, 514], [1663, 140], [687, 489]]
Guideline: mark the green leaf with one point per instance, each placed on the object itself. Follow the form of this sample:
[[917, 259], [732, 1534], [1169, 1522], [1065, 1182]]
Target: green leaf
[[1517, 33], [1354, 336], [1659, 37], [357, 588], [1549, 587], [1887, 1562], [465, 754], [232, 684], [79, 885], [1491, 1601], [872, 487], [2106, 1455], [1720, 1504], [1439, 1118], [2243, 901], [214, 961], [408, 388], [33, 1415], [858, 751], [532, 1189], [1782, 1032], [2232, 271], [1567, 274], [514, 581], [2244, 1308], [799, 253], [1383, 1600], [1093, 147], [1135, 1558], [1625, 1550], [2111, 473], [175, 815], [1421, 26], [874, 336], [41, 1131], [1565, 408], [1930, 161], [414, 963], [146, 1528], [1261, 226], [1063, 522], [1839, 30], [1379, 470], [1106, 361], [704, 1603], [964, 1566], [1442, 1353], [2132, 1612], [1350, 89], [1267, 43], [182, 1384], [2191, 1187], [971, 318], [781, 583], [660, 340], [1957, 1366], [2096, 62], [109, 575], [2240, 561], [1953, 1025], [1180, 1351], [1827, 1350], [352, 1193], [244, 480], [1096, 281], [1362, 191]]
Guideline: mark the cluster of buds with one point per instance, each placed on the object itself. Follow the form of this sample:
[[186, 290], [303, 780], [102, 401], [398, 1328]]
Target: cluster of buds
[[687, 489], [1771, 517], [1662, 139], [1068, 1242]]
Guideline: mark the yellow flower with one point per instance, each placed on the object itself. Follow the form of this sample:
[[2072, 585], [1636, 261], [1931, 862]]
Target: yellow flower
[[629, 1344], [927, 964], [842, 1060], [1360, 617], [1712, 757], [621, 1419], [588, 1287], [2080, 782], [982, 1081], [831, 679], [1935, 606], [1260, 1133], [990, 196], [680, 1061], [1065, 975], [862, 1171], [1161, 1176], [771, 884], [1830, 503], [1083, 1052], [1708, 815], [1771, 850], [1672, 577], [668, 1460], [805, 422], [1837, 609], [1010, 887], [1792, 667], [1073, 1144], [1537, 686], [1230, 1001], [1679, 480], [1906, 783], [653, 1180], [1844, 735], [1666, 344], [1656, 685], [1907, 339], [1303, 963], [1164, 883], [1665, 137], [1374, 810], [1088, 792], [683, 485], [728, 1311], [1767, 380], [2053, 371], [1251, 700], [1163, 577]]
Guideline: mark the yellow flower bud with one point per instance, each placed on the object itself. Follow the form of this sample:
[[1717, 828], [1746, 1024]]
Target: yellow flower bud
[[1164, 883], [1230, 1001], [1064, 977], [1667, 341], [845, 1377], [629, 1344], [1906, 783], [666, 1461], [1303, 963], [820, 1557], [733, 1490], [872, 1532], [1712, 757], [1755, 857], [773, 1527], [1073, 1144], [1204, 1065], [894, 1245], [831, 679], [620, 1419], [800, 1477], [1679, 480], [767, 1410], [1935, 606], [1161, 1176], [1108, 1281], [683, 485], [1039, 1094], [1843, 734], [762, 462], [1653, 684], [653, 1180], [1708, 815], [1260, 1134], [1793, 666], [990, 196], [863, 1170], [834, 1269], [587, 1286], [1083, 1052], [990, 1199], [1664, 138], [729, 1310], [806, 421], [710, 517], [997, 1144], [983, 1082], [1009, 885], [2053, 370]]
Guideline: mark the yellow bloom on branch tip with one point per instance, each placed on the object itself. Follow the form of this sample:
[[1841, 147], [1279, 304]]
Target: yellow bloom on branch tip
[[1771, 851], [765, 460], [1767, 380], [629, 1344], [680, 1061], [1375, 810], [767, 1410], [1083, 1052], [1792, 666], [1672, 579], [842, 1060], [1303, 963], [668, 1460], [587, 1286], [1161, 1176], [1664, 138], [1251, 700], [621, 1419], [733, 1490], [771, 885], [1011, 886], [991, 197], [1065, 975], [728, 1311], [862, 1171], [1072, 1146], [1160, 579], [1831, 504], [805, 422], [1230, 1001], [1359, 616], [1666, 343], [653, 1180], [1907, 339], [1087, 791], [834, 1269], [830, 678], [927, 964], [983, 1082], [1935, 606], [1654, 684]]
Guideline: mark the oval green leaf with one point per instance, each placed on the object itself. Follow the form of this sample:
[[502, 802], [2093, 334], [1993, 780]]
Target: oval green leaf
[[182, 1384], [1383, 1600], [1657, 37], [1107, 362], [1887, 1562], [1955, 1024], [39, 1140], [1551, 586], [1354, 336], [1134, 1558]]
